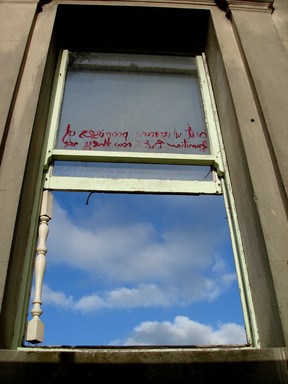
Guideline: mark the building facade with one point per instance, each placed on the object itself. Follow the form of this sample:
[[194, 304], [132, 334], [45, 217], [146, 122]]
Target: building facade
[[245, 44]]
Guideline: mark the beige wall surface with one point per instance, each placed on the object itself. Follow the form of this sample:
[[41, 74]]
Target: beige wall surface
[[247, 54], [15, 25], [16, 21], [271, 82], [18, 139], [280, 20]]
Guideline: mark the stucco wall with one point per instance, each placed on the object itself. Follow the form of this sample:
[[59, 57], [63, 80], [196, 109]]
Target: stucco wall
[[246, 50]]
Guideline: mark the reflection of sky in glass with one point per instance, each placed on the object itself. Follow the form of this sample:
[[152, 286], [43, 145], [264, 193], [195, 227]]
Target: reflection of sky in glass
[[127, 269]]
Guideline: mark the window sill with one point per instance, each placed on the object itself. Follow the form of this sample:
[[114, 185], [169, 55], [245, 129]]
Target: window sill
[[146, 365]]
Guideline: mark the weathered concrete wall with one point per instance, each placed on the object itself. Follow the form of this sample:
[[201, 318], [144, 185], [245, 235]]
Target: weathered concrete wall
[[262, 47], [250, 166], [280, 20], [15, 25], [248, 63], [16, 20], [16, 146], [265, 141]]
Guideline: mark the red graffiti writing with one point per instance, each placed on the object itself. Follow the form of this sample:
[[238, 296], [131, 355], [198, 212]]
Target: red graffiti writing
[[66, 139], [95, 134], [88, 139]]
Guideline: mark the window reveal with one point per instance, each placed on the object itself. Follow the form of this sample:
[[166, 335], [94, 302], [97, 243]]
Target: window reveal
[[128, 110]]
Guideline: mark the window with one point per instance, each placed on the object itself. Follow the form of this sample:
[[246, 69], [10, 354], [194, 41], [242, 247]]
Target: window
[[135, 139]]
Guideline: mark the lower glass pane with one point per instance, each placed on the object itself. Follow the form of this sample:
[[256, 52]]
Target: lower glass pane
[[140, 269]]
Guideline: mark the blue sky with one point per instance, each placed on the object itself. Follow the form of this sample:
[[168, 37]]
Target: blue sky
[[140, 269]]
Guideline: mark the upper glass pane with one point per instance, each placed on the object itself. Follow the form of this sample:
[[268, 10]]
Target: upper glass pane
[[134, 103]]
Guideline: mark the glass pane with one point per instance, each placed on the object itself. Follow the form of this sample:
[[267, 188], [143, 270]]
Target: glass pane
[[133, 103], [140, 269], [132, 170]]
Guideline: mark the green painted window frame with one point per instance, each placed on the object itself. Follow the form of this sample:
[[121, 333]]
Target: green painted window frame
[[216, 160]]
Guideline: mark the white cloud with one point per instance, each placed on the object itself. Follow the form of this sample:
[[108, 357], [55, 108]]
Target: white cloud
[[184, 331], [59, 299], [180, 263], [140, 296]]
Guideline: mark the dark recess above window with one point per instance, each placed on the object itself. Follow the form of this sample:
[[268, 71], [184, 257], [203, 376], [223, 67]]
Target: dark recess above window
[[132, 29]]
